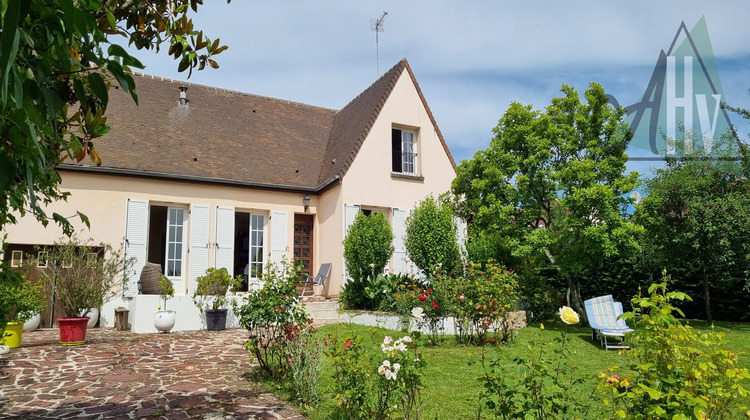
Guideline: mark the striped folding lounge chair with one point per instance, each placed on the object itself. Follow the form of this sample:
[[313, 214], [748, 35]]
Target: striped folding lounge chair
[[603, 313]]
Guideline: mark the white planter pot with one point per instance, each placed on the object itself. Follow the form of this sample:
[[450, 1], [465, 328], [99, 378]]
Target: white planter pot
[[164, 320], [32, 323], [93, 317]]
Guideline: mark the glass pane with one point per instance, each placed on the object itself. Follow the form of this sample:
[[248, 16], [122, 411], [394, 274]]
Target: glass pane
[[305, 241], [297, 228], [171, 234], [296, 252], [305, 230], [178, 251], [177, 268], [305, 252], [296, 240]]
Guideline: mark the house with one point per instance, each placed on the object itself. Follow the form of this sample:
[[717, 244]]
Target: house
[[196, 176]]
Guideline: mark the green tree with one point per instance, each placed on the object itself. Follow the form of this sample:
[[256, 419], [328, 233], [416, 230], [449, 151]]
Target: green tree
[[431, 236], [58, 60], [368, 245], [697, 219], [553, 184]]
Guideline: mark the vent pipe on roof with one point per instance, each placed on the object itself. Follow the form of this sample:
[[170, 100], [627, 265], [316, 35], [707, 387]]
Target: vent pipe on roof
[[183, 96]]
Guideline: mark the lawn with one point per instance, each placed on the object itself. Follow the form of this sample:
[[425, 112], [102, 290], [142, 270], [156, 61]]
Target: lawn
[[451, 378]]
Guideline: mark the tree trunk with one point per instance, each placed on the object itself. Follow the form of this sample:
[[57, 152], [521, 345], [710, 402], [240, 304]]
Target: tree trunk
[[707, 297], [574, 296]]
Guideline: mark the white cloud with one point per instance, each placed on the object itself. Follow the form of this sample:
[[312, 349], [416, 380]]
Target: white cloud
[[472, 59]]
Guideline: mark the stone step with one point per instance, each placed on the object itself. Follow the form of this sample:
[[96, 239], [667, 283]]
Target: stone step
[[323, 312]]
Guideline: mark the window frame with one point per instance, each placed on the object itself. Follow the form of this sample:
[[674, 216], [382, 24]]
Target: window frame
[[16, 258], [182, 242], [262, 247], [42, 259], [400, 165]]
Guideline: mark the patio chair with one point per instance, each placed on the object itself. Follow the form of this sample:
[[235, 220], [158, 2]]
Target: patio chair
[[603, 313], [309, 282]]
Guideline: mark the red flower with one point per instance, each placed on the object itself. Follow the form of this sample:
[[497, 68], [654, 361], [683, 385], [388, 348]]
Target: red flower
[[347, 344], [430, 291], [435, 305], [422, 298]]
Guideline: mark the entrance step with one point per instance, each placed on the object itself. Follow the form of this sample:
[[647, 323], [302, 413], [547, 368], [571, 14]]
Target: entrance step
[[323, 312]]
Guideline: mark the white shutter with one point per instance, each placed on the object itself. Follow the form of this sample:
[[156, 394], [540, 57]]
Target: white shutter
[[199, 243], [400, 259], [279, 239], [350, 212], [224, 245], [136, 232]]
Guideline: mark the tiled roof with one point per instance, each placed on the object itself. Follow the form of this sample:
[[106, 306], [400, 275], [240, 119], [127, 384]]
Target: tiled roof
[[233, 137]]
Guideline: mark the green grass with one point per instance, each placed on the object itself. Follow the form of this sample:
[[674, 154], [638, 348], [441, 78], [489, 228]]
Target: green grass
[[451, 384]]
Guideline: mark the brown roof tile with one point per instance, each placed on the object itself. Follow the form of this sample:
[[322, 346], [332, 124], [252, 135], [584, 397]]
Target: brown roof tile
[[227, 136]]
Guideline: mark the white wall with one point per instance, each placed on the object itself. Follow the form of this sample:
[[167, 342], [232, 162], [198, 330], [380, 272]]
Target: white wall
[[142, 308]]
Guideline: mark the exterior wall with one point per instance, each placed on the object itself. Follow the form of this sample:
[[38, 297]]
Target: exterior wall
[[331, 227], [103, 199], [372, 166]]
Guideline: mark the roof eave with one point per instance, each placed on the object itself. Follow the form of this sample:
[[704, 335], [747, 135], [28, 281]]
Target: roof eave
[[200, 179]]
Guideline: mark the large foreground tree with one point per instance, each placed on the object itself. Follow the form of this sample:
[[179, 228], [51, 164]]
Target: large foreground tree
[[58, 61], [553, 184]]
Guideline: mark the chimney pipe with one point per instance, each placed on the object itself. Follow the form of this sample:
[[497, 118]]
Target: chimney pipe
[[183, 95]]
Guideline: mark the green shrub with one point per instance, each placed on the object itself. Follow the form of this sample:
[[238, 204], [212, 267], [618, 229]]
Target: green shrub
[[368, 245], [81, 273], [166, 290], [431, 237], [480, 300], [367, 249], [305, 364], [376, 386], [211, 292], [541, 384], [675, 372], [274, 316]]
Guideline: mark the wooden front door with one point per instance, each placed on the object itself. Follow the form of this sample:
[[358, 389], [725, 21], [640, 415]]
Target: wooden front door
[[303, 242]]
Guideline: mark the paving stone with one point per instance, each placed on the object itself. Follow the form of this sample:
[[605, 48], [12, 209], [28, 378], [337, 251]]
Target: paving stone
[[121, 375]]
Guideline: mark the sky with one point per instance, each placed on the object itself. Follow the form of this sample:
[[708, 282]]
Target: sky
[[472, 59]]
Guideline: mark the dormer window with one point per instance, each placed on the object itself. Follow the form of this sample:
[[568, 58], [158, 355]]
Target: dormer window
[[404, 144]]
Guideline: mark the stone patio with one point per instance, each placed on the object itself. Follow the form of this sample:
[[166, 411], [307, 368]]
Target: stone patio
[[123, 375]]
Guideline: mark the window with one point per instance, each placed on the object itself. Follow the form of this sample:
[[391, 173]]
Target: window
[[257, 231], [16, 258], [42, 259], [175, 241], [404, 144]]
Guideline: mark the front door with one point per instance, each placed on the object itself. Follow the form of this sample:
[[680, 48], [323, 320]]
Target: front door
[[303, 242]]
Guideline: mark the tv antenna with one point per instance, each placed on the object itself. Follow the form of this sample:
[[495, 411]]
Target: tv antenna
[[376, 25]]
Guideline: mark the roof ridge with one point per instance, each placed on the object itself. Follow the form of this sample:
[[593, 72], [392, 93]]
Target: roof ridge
[[231, 91], [388, 80]]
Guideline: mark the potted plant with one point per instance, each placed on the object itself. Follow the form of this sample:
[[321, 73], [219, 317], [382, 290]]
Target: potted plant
[[164, 319], [211, 296], [80, 274], [19, 301]]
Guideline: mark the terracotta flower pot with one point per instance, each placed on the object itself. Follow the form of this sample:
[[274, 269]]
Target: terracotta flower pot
[[72, 331]]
